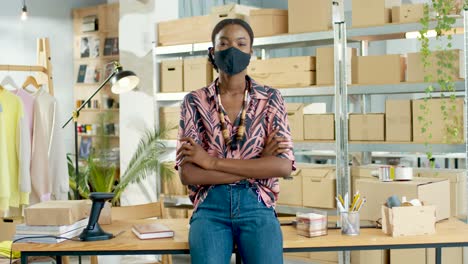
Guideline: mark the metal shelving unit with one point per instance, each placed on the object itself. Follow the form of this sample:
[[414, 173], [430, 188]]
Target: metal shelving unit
[[398, 88]]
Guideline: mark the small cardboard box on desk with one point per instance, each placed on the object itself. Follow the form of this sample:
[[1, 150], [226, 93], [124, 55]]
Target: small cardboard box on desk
[[408, 220], [56, 212], [433, 191], [8, 227]]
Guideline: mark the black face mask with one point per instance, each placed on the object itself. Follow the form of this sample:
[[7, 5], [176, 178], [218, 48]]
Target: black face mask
[[232, 60]]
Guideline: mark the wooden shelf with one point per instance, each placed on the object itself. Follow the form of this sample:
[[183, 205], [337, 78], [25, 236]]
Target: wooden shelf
[[99, 110], [98, 59], [107, 136]]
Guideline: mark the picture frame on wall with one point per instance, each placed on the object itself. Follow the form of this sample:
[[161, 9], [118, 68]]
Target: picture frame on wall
[[84, 47], [111, 46], [81, 73]]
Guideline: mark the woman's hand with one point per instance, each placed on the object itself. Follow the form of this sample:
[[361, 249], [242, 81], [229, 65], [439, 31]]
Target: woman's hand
[[190, 151], [275, 145]]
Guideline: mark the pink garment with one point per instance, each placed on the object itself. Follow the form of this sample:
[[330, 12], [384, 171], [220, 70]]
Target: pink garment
[[28, 104]]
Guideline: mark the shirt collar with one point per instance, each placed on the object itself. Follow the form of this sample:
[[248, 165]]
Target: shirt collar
[[257, 91]]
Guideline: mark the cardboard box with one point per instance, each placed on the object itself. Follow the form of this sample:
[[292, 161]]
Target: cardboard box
[[457, 180], [416, 71], [198, 73], [55, 212], [291, 189], [297, 255], [285, 79], [408, 220], [282, 65], [296, 120], [185, 30], [309, 16], [170, 181], [432, 191], [169, 118], [322, 180], [398, 122], [381, 69], [8, 227], [269, 22], [407, 13], [172, 78], [408, 256], [370, 13], [439, 128], [219, 13], [366, 127], [319, 127], [449, 255], [363, 172], [325, 65], [369, 256]]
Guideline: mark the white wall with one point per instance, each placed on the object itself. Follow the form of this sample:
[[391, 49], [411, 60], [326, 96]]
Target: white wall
[[47, 18], [137, 35]]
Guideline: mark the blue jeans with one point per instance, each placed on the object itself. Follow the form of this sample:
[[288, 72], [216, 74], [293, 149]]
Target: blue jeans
[[233, 215]]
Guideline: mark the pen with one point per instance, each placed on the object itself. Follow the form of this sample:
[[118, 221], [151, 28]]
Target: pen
[[341, 199], [361, 203], [339, 204], [355, 200]]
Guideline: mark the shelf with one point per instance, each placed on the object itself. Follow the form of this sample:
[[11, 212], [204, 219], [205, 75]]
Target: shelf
[[365, 146], [106, 136], [381, 146], [383, 32], [391, 31], [279, 41], [98, 59], [400, 88], [380, 154], [98, 110]]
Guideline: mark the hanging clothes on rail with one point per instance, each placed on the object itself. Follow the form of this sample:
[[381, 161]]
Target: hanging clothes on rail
[[49, 163], [15, 182], [28, 104]]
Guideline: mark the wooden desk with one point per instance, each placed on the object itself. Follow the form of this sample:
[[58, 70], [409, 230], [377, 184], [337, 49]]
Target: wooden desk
[[450, 233]]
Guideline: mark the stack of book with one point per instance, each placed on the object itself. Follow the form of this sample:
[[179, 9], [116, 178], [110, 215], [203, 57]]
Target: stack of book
[[49, 234]]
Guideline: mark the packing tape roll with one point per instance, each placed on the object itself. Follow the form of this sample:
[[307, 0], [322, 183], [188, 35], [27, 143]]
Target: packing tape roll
[[403, 174]]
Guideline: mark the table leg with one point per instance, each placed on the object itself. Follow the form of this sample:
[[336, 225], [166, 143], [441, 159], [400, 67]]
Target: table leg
[[438, 255], [58, 259], [24, 258]]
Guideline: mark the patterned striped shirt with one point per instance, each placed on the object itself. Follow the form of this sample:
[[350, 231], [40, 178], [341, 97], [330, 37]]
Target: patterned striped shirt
[[266, 111]]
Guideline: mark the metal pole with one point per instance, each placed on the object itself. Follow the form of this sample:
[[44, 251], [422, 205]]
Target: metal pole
[[465, 108], [341, 108], [365, 105]]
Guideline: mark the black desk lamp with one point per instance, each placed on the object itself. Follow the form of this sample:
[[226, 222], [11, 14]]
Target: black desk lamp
[[122, 81]]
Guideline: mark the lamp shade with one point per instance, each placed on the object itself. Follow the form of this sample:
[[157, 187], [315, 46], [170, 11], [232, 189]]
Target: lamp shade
[[124, 81]]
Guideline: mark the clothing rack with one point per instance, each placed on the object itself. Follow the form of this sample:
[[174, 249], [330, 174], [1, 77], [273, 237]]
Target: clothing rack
[[43, 67]]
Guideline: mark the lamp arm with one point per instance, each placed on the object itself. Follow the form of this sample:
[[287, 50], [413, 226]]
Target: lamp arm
[[76, 113]]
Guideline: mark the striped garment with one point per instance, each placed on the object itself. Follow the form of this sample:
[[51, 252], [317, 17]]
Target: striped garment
[[199, 120]]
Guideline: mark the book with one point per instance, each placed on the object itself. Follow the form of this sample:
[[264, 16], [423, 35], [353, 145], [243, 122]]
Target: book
[[23, 229], [81, 73], [111, 46], [94, 47], [84, 47], [152, 230], [48, 239]]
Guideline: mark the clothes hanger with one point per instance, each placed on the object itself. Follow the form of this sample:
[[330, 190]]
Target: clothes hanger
[[30, 80], [8, 80]]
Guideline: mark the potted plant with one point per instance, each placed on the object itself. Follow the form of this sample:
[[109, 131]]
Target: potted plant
[[99, 176]]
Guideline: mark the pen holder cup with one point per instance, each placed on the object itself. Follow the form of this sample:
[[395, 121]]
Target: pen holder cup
[[350, 223]]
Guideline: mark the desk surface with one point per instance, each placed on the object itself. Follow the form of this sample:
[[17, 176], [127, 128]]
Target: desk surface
[[450, 232]]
